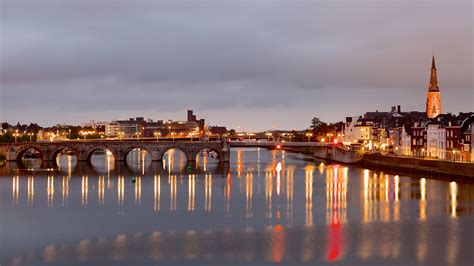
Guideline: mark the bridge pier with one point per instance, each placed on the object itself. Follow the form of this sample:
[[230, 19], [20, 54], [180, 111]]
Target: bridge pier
[[11, 156], [156, 156]]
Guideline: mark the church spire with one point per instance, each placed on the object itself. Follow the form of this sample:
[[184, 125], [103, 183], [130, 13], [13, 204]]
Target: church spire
[[433, 78], [433, 97]]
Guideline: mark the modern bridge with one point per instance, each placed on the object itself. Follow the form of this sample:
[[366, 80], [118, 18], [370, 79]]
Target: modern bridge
[[277, 144]]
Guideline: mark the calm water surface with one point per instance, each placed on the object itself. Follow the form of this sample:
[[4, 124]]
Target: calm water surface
[[264, 207]]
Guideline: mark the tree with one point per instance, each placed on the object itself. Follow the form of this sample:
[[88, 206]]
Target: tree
[[315, 123], [5, 125]]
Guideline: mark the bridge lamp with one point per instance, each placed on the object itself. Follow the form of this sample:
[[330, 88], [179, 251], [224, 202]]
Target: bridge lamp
[[268, 136], [157, 135], [30, 134]]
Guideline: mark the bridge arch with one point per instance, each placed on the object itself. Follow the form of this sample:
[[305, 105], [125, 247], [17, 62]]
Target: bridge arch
[[58, 150], [20, 152], [176, 147], [130, 148], [208, 148], [91, 151]]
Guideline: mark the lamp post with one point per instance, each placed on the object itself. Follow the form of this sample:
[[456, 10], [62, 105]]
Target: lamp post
[[157, 135], [30, 135], [309, 135], [268, 136], [16, 135], [69, 134]]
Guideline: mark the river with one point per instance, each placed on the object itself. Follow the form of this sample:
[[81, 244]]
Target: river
[[264, 207]]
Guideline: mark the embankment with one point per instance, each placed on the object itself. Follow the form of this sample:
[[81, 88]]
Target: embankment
[[394, 163], [415, 165]]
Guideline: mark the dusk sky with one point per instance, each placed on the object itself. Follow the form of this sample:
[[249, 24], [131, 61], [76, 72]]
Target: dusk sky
[[253, 64]]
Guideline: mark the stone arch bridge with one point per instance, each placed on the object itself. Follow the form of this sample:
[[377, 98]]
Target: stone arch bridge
[[84, 149]]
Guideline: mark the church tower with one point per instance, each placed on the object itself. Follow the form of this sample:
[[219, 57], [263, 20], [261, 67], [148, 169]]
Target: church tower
[[433, 97]]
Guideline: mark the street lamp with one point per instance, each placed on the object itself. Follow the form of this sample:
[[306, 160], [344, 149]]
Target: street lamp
[[268, 136], [69, 134], [30, 134], [309, 135], [16, 135], [157, 135]]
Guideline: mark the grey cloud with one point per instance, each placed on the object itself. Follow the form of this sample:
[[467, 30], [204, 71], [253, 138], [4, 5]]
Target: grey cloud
[[163, 57]]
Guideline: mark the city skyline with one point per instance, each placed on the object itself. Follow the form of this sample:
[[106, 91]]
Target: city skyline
[[250, 65]]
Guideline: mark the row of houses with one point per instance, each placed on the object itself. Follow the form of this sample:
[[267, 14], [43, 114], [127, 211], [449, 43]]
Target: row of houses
[[445, 137]]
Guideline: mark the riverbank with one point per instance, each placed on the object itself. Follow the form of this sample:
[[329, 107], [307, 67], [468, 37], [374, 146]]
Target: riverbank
[[394, 163], [418, 165]]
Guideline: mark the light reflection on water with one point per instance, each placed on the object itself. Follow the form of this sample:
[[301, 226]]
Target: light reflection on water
[[266, 206]]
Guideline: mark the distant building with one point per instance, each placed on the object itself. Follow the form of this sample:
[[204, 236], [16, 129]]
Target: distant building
[[358, 129], [138, 126], [418, 140], [192, 118], [93, 124], [125, 128], [405, 139], [436, 139], [218, 130], [433, 97], [467, 143]]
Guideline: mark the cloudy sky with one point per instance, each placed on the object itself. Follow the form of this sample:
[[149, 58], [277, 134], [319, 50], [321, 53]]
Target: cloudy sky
[[248, 64]]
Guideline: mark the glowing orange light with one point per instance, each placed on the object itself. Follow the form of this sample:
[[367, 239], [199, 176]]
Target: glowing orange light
[[278, 146]]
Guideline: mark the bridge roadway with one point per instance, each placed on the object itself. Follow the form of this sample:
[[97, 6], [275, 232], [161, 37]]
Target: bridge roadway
[[274, 144]]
